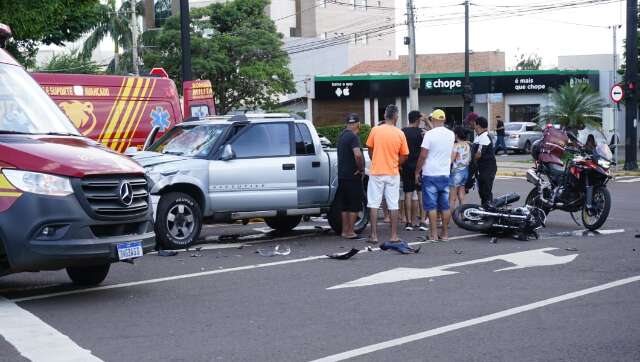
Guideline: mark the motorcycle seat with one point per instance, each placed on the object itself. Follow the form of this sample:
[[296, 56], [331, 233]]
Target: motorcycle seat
[[505, 200]]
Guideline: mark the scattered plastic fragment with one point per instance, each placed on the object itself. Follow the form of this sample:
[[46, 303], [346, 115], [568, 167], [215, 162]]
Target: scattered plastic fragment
[[282, 250], [571, 249], [167, 253], [457, 252], [344, 256], [493, 240]]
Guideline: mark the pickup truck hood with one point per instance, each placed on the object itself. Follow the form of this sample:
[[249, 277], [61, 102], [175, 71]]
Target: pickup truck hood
[[149, 159], [61, 155]]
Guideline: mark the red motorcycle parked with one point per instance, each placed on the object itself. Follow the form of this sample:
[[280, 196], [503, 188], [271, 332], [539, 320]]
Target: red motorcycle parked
[[577, 185]]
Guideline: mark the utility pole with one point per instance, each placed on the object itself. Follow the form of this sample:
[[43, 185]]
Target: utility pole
[[185, 40], [134, 37], [631, 78], [614, 80], [414, 82], [467, 92]]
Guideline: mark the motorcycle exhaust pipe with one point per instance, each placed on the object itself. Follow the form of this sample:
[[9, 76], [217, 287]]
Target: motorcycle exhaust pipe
[[501, 215], [532, 177]]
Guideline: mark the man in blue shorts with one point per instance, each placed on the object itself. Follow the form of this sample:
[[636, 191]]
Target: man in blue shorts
[[433, 168]]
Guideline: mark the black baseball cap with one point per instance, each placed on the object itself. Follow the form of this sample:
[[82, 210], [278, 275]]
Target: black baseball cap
[[352, 118]]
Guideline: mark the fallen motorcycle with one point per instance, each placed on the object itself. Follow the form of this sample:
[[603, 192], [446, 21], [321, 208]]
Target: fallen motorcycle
[[499, 218]]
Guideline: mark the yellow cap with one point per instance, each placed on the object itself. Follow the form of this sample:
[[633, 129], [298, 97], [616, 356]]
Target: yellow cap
[[438, 115]]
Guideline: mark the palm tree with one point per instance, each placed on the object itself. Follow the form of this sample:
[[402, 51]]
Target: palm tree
[[114, 23], [574, 107]]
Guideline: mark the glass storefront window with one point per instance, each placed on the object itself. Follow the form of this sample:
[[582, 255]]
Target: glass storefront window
[[523, 112]]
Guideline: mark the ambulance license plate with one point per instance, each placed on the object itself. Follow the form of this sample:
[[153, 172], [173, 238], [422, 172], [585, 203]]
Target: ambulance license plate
[[129, 250]]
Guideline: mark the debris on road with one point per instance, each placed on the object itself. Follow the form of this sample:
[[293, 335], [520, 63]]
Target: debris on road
[[344, 256], [637, 235], [167, 253], [494, 240], [282, 250], [571, 249], [457, 252]]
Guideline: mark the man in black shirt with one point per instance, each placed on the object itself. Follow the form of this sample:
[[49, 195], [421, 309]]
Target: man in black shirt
[[350, 191], [500, 145], [414, 135], [485, 160]]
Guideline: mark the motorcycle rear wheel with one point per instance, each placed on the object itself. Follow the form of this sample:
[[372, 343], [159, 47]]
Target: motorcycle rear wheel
[[602, 205], [462, 218]]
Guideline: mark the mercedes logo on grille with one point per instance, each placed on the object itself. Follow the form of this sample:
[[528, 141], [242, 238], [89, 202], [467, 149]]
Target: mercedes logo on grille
[[126, 193]]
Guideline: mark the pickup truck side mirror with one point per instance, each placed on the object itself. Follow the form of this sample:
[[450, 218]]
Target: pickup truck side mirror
[[227, 153], [151, 138]]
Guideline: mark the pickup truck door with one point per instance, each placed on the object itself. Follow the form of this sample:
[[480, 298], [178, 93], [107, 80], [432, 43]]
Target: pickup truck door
[[312, 167], [261, 177]]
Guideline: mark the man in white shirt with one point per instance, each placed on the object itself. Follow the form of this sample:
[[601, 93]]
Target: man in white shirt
[[433, 170]]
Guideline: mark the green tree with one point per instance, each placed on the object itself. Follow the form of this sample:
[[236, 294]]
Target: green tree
[[36, 22], [529, 62], [233, 44], [574, 107], [70, 63], [115, 24]]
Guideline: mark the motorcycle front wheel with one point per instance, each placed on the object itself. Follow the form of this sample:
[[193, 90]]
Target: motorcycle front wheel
[[593, 219], [464, 216]]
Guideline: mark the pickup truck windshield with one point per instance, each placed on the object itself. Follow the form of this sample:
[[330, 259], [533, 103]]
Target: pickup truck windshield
[[195, 141], [26, 108]]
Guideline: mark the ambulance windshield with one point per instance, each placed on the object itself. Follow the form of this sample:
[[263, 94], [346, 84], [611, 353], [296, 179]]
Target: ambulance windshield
[[26, 108]]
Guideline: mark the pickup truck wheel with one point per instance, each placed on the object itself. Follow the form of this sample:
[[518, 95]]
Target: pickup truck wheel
[[283, 224], [178, 221], [335, 215], [88, 275]]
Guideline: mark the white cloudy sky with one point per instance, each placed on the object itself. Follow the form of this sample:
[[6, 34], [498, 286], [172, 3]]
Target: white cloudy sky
[[549, 34]]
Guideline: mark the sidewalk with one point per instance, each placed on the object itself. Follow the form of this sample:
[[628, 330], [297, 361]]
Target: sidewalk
[[510, 168]]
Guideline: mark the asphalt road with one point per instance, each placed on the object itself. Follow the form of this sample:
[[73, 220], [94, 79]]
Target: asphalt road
[[575, 297]]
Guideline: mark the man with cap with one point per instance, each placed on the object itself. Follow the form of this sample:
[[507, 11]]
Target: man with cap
[[433, 169], [388, 149], [350, 173]]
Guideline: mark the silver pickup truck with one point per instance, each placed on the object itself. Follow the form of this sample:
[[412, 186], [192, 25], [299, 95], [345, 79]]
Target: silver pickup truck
[[223, 169]]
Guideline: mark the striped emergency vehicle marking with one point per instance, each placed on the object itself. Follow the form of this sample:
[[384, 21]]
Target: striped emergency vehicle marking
[[121, 103], [138, 89], [113, 108], [138, 114]]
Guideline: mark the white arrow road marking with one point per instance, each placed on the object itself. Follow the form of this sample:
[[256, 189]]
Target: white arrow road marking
[[524, 259], [36, 340], [475, 321]]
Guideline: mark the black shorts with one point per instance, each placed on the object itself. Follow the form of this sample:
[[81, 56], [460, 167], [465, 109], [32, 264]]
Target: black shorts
[[408, 176], [350, 194]]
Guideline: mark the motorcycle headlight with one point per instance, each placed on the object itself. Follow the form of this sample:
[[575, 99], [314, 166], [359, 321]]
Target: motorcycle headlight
[[39, 183], [604, 163]]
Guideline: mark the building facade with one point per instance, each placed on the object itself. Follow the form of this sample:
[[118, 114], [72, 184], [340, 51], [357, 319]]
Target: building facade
[[514, 96]]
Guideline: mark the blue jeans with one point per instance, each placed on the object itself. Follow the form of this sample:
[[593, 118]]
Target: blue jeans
[[435, 193], [500, 145], [458, 177]]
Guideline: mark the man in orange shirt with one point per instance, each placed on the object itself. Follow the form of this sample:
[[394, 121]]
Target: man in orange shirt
[[388, 149]]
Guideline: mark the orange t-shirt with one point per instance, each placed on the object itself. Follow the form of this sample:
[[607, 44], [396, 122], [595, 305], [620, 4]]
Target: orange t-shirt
[[388, 143]]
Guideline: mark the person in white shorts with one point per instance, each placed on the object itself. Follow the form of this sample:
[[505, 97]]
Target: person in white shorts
[[388, 149]]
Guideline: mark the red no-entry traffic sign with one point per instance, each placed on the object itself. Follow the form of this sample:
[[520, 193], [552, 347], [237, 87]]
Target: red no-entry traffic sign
[[617, 93]]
